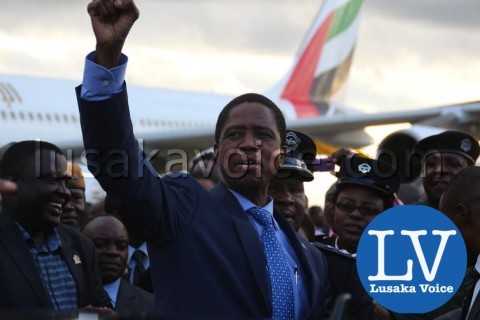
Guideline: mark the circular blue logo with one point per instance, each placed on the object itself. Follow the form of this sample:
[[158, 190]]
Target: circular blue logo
[[411, 259]]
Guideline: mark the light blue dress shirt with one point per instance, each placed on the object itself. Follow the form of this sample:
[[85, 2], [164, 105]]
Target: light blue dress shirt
[[112, 290], [131, 262], [299, 285], [100, 83]]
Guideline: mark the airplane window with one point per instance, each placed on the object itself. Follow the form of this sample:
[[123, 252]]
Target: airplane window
[[4, 115], [21, 115], [65, 118], [31, 116], [149, 122], [48, 117], [40, 116], [13, 115], [155, 123], [163, 123], [142, 122], [74, 118], [57, 117]]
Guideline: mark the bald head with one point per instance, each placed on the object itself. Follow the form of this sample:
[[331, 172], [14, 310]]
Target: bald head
[[463, 189], [461, 203], [111, 243], [99, 223]]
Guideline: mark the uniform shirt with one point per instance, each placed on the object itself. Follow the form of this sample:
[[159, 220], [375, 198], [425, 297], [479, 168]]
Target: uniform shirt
[[54, 272]]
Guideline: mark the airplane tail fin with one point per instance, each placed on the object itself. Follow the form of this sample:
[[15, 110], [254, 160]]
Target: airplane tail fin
[[323, 62]]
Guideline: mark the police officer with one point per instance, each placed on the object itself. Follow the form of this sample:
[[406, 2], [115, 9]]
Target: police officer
[[365, 188], [287, 188], [442, 157]]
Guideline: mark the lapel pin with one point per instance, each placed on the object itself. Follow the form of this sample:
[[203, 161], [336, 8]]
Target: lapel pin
[[76, 259]]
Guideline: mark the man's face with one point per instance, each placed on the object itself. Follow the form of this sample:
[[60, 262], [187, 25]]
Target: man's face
[[439, 169], [42, 190], [111, 243], [74, 210], [249, 147], [355, 207], [289, 200], [468, 223]]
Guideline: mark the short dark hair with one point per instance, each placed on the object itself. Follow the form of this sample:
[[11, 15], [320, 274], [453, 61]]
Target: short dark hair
[[17, 155], [251, 97]]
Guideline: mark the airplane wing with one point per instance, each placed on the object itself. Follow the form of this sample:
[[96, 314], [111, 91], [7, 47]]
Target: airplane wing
[[336, 129]]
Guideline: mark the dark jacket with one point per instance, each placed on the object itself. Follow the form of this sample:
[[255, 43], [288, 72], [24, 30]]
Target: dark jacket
[[344, 279], [207, 260], [20, 282], [132, 300]]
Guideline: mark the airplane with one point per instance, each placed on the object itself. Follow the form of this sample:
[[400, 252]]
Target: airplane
[[46, 109]]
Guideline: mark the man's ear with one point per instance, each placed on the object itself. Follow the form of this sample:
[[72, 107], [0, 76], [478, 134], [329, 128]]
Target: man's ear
[[215, 151], [280, 157], [463, 212]]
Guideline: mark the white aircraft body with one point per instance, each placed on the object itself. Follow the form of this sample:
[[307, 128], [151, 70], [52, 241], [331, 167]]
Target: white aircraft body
[[46, 109]]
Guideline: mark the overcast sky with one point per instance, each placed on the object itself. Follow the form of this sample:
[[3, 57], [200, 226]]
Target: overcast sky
[[410, 53]]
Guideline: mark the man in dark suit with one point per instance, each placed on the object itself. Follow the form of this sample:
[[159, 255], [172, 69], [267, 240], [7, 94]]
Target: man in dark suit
[[43, 265], [461, 203], [111, 242], [214, 254]]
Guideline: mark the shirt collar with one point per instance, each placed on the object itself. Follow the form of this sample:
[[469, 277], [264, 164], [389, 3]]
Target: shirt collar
[[52, 243], [247, 204], [112, 290], [477, 264], [142, 247]]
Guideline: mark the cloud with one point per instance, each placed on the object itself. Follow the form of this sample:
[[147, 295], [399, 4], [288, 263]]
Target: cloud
[[461, 14]]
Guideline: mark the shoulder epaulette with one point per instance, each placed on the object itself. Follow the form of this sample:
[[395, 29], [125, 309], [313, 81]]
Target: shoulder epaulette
[[331, 249]]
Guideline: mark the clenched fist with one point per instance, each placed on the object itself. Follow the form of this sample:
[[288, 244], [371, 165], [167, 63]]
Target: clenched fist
[[111, 22]]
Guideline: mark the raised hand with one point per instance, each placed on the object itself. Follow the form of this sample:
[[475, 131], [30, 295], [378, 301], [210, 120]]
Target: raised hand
[[111, 22]]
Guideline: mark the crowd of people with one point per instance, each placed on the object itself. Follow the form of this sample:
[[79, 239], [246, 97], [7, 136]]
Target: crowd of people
[[233, 239]]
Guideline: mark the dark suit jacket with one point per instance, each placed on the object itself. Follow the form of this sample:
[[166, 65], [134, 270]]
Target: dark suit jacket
[[206, 258], [20, 283], [344, 279], [132, 300]]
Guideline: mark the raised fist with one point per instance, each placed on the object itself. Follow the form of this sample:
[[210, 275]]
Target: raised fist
[[111, 22]]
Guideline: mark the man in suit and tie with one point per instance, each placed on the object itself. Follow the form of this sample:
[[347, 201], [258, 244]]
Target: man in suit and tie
[[461, 203], [214, 254], [111, 242], [138, 260], [43, 265]]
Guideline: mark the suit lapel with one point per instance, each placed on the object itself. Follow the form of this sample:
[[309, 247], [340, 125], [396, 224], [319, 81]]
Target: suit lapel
[[15, 245], [251, 244], [300, 250], [75, 264], [475, 309], [124, 297]]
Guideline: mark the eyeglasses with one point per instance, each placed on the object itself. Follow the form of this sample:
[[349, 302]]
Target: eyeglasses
[[364, 210]]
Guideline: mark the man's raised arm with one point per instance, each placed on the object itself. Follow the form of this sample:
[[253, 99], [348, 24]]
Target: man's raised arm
[[111, 23], [113, 154]]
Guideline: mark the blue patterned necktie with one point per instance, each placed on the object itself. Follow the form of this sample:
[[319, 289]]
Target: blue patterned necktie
[[277, 267]]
